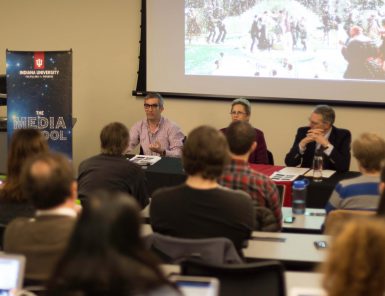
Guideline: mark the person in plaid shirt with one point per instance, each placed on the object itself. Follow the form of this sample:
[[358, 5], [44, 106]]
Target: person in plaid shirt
[[239, 175]]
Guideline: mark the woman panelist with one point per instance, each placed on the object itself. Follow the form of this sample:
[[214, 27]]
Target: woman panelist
[[240, 111]]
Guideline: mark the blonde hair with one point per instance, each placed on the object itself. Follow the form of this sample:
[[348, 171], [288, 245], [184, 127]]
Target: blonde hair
[[369, 150], [356, 263]]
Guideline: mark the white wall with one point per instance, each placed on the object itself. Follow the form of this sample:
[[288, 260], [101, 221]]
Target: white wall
[[104, 36]]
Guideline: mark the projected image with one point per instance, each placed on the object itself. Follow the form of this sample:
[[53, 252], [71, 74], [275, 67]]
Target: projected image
[[304, 39]]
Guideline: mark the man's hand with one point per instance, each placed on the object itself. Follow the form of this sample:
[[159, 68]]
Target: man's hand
[[318, 135], [156, 147], [314, 135]]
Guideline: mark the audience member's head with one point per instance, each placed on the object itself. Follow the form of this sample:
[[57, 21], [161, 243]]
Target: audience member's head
[[205, 153], [25, 143], [106, 255], [114, 139], [241, 137], [356, 263], [153, 106], [240, 110], [369, 150], [322, 117], [48, 181]]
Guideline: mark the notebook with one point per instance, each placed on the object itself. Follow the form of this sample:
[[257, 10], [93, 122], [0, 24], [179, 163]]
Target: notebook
[[11, 273], [196, 285]]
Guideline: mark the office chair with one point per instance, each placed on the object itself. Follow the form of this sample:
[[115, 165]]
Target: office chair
[[270, 157], [174, 250], [282, 191], [260, 278]]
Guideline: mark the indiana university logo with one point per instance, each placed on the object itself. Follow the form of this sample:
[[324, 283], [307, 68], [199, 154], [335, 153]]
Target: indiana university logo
[[38, 58]]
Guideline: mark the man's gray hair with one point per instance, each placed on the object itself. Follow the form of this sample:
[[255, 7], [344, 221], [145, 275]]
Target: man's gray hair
[[327, 113], [155, 96], [242, 101]]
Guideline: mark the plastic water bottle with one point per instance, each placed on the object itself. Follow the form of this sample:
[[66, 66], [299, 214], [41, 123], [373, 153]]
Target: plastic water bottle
[[299, 196]]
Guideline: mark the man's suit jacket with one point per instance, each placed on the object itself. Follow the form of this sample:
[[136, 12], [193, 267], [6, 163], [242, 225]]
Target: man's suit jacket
[[339, 158], [42, 240]]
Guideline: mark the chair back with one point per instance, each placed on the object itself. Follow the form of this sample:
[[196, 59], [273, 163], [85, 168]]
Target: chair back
[[174, 250], [258, 278], [281, 191], [270, 157], [336, 219]]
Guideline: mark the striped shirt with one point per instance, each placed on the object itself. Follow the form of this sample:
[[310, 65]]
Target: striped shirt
[[168, 134], [239, 175], [360, 193]]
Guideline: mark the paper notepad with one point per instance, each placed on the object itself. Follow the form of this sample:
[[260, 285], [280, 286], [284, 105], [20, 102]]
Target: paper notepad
[[325, 173], [145, 160], [288, 174]]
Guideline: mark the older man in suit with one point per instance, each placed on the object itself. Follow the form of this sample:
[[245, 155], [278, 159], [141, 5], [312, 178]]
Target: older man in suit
[[323, 137]]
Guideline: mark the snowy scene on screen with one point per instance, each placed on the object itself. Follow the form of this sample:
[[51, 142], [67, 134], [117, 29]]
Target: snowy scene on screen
[[304, 39]]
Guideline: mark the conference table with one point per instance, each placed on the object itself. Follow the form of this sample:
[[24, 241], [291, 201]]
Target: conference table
[[310, 222], [296, 251], [168, 171]]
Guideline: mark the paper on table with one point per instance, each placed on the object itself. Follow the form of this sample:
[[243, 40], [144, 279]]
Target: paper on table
[[288, 174], [145, 160], [325, 173], [293, 171]]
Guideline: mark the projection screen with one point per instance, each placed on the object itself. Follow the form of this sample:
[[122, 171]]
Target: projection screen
[[271, 49]]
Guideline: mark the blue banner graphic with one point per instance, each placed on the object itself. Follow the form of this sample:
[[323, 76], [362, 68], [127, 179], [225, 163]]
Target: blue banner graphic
[[39, 95]]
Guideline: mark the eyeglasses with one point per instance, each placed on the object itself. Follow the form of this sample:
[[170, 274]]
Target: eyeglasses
[[153, 106], [315, 123], [237, 113]]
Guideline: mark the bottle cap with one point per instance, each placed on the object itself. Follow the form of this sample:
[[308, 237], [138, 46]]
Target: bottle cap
[[299, 184]]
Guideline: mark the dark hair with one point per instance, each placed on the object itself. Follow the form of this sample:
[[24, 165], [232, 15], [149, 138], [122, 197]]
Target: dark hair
[[240, 136], [205, 152], [114, 138], [46, 180], [25, 143], [327, 113], [106, 255], [155, 96]]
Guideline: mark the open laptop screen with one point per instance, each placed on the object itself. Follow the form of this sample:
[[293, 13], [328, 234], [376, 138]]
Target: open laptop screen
[[11, 273], [197, 286]]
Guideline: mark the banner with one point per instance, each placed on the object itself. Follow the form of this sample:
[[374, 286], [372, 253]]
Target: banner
[[39, 95]]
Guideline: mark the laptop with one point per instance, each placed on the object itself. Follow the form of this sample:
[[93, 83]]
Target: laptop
[[196, 285], [11, 273]]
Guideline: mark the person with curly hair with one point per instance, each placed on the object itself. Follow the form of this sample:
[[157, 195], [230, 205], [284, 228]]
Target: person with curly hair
[[355, 265]]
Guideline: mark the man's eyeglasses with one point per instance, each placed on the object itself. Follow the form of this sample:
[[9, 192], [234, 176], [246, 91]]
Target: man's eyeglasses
[[153, 106], [237, 113]]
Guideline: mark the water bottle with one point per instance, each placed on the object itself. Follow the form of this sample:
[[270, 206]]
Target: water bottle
[[317, 167], [299, 196]]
